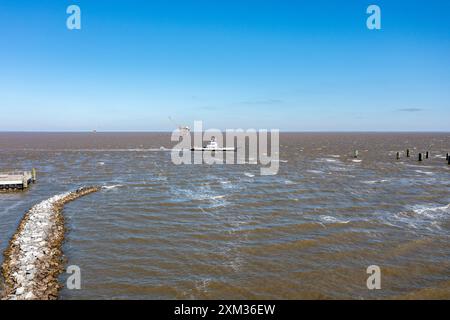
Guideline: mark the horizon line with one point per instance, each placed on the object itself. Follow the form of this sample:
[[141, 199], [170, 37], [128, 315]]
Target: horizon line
[[167, 131]]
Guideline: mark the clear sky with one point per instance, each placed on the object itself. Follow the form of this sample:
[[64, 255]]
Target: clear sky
[[290, 65]]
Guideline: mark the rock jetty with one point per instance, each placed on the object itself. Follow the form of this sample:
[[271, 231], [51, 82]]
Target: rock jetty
[[33, 260]]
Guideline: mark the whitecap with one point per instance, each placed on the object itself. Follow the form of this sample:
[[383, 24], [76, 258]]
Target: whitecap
[[218, 197], [428, 217], [375, 181], [315, 171], [329, 160], [431, 212], [332, 220], [429, 173], [112, 186]]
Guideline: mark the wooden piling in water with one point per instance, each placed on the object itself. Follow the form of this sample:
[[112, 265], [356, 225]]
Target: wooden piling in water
[[420, 156], [398, 155], [407, 153], [427, 155]]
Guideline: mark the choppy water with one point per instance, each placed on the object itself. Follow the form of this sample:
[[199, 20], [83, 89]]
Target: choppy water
[[162, 231]]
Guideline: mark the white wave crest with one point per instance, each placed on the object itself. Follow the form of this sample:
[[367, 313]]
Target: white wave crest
[[330, 219], [432, 212], [112, 186]]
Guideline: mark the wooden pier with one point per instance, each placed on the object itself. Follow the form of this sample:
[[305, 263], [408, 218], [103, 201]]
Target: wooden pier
[[16, 180]]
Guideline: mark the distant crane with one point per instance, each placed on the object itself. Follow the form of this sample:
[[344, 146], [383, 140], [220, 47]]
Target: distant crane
[[184, 129]]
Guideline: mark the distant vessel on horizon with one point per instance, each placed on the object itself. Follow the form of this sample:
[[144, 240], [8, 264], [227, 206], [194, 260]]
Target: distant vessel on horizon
[[213, 146]]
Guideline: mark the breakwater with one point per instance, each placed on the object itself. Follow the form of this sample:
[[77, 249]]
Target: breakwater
[[33, 259]]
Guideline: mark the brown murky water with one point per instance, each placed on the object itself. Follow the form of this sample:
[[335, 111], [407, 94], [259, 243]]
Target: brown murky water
[[161, 231]]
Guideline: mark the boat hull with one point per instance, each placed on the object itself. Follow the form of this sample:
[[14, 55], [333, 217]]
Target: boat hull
[[215, 149]]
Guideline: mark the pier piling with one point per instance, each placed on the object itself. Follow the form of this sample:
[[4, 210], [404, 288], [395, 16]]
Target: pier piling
[[398, 155], [420, 156], [407, 153], [427, 155]]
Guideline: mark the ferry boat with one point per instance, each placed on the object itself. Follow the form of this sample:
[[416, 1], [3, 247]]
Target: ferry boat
[[213, 146]]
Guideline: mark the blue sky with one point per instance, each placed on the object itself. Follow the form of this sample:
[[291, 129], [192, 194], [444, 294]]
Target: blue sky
[[291, 65]]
